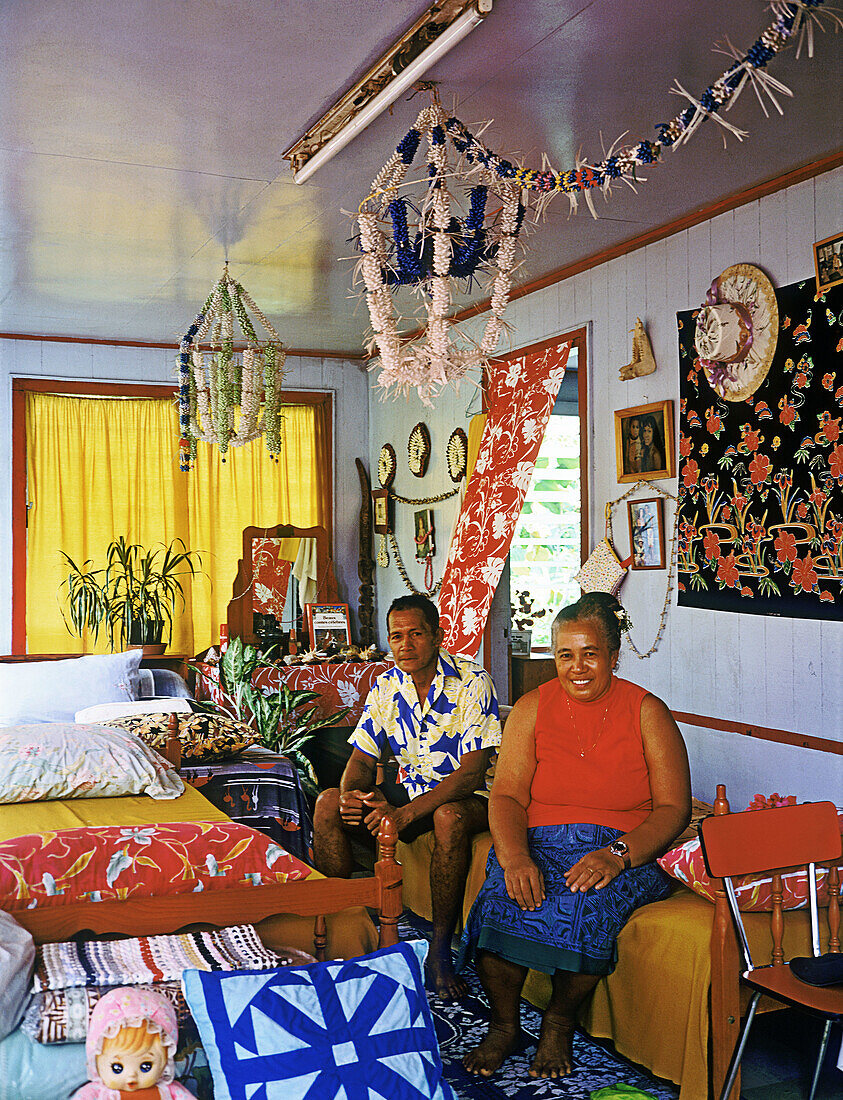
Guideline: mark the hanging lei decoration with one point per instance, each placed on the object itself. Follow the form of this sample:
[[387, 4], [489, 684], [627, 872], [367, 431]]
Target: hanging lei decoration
[[792, 22], [625, 621], [214, 380], [443, 247], [402, 569]]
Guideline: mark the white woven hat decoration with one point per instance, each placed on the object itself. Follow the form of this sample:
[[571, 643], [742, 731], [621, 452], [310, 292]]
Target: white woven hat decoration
[[737, 330]]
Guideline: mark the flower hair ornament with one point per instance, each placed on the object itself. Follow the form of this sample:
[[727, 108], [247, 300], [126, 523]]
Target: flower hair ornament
[[624, 621]]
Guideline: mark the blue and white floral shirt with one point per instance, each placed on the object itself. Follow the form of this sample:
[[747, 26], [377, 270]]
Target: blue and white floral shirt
[[459, 715]]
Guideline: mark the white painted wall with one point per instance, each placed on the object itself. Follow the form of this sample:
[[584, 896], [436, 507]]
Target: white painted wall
[[345, 379], [782, 673], [391, 421]]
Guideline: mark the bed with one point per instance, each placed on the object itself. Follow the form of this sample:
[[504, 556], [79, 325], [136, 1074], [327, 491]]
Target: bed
[[314, 897], [309, 912]]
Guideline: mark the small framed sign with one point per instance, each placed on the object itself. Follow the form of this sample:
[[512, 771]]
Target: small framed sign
[[327, 624]]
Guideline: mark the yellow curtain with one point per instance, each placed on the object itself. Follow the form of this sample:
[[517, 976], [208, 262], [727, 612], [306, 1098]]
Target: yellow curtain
[[101, 467]]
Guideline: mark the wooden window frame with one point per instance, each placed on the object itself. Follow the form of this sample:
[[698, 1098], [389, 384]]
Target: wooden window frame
[[73, 388]]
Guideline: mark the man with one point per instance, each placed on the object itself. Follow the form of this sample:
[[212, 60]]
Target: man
[[439, 716]]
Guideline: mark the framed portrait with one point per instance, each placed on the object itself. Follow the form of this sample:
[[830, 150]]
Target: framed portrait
[[644, 442], [327, 623], [828, 262], [646, 533], [423, 534], [381, 511]]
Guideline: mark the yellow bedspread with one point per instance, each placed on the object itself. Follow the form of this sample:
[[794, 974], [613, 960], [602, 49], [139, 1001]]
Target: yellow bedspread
[[20, 819]]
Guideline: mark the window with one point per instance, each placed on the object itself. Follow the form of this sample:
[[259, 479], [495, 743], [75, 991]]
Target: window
[[95, 462], [547, 546]]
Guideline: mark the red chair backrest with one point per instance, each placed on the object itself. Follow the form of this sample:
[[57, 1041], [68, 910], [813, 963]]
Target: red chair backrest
[[763, 840]]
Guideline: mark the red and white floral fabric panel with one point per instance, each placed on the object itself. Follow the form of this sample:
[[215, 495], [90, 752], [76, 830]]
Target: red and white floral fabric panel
[[113, 863], [340, 685], [522, 391]]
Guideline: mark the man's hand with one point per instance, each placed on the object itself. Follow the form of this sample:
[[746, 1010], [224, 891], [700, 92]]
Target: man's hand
[[351, 807], [378, 808]]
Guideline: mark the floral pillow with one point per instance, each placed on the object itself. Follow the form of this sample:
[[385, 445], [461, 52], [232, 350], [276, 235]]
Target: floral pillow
[[204, 737], [112, 863], [66, 760], [685, 863]]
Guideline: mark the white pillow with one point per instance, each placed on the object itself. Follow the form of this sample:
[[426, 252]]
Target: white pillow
[[103, 712], [62, 760], [53, 691]]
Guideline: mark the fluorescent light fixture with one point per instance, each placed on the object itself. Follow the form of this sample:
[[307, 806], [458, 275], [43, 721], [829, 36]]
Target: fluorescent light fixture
[[324, 140]]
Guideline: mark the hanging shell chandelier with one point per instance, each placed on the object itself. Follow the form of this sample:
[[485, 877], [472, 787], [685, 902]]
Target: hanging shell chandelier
[[438, 247], [216, 379]]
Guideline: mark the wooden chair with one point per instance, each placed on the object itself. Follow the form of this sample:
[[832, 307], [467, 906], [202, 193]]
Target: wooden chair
[[778, 840]]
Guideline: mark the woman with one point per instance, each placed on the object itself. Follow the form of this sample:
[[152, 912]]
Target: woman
[[591, 785], [652, 452]]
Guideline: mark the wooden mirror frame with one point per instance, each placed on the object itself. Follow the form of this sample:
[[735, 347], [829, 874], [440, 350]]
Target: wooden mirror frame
[[240, 615]]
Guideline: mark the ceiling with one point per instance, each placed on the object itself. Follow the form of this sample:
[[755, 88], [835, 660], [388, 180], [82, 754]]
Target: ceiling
[[140, 143]]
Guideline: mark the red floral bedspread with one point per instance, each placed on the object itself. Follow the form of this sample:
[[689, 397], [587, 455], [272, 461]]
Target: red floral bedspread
[[111, 862]]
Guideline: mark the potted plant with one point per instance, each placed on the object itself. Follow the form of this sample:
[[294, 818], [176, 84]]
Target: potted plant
[[133, 597], [285, 720], [523, 614]]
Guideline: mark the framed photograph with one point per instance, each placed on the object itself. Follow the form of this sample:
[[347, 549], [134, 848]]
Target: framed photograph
[[326, 623], [644, 442], [381, 511], [423, 534], [646, 533], [828, 262]]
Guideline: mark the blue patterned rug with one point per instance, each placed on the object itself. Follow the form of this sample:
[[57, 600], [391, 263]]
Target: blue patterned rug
[[459, 1027]]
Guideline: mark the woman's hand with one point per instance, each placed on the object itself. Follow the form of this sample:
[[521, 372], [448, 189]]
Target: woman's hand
[[524, 882], [594, 871]]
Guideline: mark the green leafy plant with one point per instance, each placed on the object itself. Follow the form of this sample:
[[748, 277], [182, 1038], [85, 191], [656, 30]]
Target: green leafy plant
[[133, 597], [285, 720]]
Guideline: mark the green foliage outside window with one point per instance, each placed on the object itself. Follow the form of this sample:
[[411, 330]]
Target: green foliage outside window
[[545, 553]]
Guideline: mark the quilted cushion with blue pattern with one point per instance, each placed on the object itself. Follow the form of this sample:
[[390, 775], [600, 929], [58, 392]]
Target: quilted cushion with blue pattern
[[346, 1030]]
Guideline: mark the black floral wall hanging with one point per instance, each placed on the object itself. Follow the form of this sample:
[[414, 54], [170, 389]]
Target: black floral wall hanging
[[761, 480]]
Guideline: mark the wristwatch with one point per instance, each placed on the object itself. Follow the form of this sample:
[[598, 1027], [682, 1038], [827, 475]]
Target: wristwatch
[[621, 849]]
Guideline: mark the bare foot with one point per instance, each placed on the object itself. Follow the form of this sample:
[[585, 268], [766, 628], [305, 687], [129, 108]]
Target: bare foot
[[446, 984], [555, 1052], [499, 1043]]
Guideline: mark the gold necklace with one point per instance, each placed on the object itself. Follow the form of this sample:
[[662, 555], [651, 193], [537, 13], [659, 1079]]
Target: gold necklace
[[576, 728]]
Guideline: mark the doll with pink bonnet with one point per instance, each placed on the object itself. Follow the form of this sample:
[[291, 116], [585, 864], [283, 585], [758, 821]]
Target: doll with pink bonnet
[[131, 1040]]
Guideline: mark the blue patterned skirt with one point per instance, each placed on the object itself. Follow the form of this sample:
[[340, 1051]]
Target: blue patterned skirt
[[571, 931]]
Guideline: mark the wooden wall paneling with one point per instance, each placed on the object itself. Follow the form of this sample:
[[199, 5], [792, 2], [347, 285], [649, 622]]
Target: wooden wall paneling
[[809, 675], [799, 231], [772, 231], [701, 637], [831, 662], [828, 202], [563, 300], [582, 297]]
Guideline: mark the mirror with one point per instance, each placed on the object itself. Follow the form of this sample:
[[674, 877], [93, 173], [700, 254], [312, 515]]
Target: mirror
[[282, 568]]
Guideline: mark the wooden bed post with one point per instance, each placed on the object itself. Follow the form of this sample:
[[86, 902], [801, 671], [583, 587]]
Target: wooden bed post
[[389, 875], [725, 987], [172, 749]]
